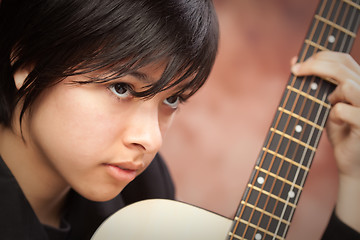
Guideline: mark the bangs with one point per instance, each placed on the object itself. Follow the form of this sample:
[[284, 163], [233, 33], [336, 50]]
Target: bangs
[[181, 72], [65, 38], [188, 46]]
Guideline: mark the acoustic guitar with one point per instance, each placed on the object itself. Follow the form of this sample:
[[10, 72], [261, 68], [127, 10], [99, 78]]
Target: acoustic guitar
[[276, 182]]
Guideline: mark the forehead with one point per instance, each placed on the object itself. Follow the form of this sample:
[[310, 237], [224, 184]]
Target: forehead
[[154, 77], [154, 73], [150, 73]]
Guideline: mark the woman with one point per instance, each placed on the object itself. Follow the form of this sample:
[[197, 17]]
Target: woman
[[88, 91]]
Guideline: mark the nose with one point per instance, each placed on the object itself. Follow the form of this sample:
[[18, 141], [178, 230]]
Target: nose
[[143, 130]]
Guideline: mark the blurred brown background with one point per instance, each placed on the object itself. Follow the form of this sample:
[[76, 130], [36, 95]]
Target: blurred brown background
[[215, 139]]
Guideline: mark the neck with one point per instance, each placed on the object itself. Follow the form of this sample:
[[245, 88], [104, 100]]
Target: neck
[[41, 184]]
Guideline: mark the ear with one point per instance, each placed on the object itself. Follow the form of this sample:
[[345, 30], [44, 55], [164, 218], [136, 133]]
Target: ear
[[20, 75]]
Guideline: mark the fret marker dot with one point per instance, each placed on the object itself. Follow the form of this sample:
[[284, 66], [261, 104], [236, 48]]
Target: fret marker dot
[[258, 236], [331, 39], [291, 194], [260, 180], [298, 128], [313, 86]]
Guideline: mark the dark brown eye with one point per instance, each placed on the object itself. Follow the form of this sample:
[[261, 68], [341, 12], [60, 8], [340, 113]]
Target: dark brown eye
[[121, 90], [172, 101]]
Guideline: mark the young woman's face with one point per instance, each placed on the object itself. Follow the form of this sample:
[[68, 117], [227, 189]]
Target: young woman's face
[[97, 137]]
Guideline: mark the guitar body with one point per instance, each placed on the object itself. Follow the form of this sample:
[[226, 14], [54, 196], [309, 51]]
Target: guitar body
[[161, 219]]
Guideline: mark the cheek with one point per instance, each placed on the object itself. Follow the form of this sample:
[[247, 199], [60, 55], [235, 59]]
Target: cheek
[[165, 122], [73, 124]]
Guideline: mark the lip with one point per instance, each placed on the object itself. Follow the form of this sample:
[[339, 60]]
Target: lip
[[122, 171]]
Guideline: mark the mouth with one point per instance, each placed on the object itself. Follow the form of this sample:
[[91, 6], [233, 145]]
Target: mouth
[[122, 172]]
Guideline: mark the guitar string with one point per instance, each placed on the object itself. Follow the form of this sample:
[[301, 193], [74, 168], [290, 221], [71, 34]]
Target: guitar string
[[317, 137], [285, 177], [348, 50], [286, 155], [257, 172], [351, 21], [327, 110], [292, 209], [272, 161], [286, 128], [250, 190], [344, 40]]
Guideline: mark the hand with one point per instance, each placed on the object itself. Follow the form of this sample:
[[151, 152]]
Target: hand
[[343, 126]]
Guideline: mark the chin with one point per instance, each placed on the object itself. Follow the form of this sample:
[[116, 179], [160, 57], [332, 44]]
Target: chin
[[101, 195]]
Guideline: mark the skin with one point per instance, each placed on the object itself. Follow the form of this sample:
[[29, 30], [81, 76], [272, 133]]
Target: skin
[[76, 136], [343, 126], [74, 132]]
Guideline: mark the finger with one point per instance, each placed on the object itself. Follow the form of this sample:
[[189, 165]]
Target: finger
[[293, 60], [344, 113], [339, 57], [325, 68], [348, 92]]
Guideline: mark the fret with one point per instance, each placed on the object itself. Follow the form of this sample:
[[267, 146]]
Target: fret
[[274, 176], [286, 168], [302, 119], [252, 216], [319, 30], [325, 37], [342, 12], [293, 139], [250, 229], [340, 15], [311, 85], [276, 183], [281, 157], [308, 96], [310, 50], [287, 148], [280, 209], [316, 30], [273, 196], [297, 129], [279, 187], [325, 8], [351, 13], [306, 107], [235, 236], [340, 46], [263, 212], [352, 4], [257, 197], [315, 45], [275, 212], [258, 234], [352, 34]]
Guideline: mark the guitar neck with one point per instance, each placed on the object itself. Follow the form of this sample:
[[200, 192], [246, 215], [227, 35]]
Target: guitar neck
[[276, 183]]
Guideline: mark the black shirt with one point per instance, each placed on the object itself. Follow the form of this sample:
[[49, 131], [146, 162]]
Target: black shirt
[[82, 217]]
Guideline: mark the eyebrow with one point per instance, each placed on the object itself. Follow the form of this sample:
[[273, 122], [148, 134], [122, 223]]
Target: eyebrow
[[142, 77]]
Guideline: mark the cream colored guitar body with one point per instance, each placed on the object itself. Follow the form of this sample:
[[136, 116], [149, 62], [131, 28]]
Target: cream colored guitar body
[[161, 219]]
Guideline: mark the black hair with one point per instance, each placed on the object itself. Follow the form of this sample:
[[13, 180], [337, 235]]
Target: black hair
[[61, 38]]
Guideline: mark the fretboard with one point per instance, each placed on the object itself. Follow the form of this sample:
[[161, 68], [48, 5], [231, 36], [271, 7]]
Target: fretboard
[[279, 175]]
